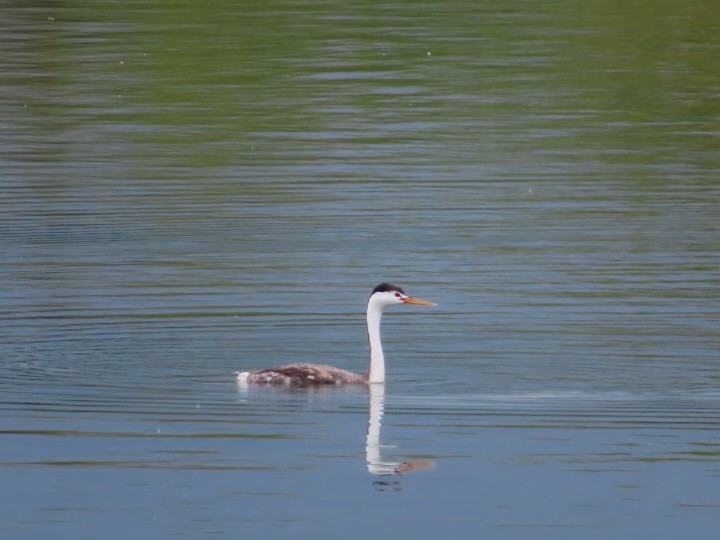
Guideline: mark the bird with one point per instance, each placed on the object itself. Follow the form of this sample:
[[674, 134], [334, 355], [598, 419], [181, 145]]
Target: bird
[[382, 296]]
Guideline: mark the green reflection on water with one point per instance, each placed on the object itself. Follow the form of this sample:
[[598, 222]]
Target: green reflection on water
[[267, 83]]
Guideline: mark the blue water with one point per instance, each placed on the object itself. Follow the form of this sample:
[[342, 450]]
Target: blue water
[[187, 191]]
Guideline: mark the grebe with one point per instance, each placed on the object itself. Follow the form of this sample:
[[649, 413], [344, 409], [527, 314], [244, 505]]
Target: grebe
[[383, 295]]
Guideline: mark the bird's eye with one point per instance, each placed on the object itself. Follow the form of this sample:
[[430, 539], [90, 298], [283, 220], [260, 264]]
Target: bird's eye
[[398, 295]]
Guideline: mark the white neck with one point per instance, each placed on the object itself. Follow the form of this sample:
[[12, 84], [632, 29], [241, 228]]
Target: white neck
[[377, 360]]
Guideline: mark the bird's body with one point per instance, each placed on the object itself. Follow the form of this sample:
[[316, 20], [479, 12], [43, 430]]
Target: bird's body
[[303, 375], [383, 295]]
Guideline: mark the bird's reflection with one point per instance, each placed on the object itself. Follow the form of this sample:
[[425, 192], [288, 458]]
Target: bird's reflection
[[373, 447], [385, 471]]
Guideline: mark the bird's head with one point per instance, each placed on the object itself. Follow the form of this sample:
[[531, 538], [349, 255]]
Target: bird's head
[[387, 294]]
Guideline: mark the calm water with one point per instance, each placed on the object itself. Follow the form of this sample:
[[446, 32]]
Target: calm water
[[186, 191]]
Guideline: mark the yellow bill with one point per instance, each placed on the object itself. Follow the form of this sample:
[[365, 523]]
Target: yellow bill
[[417, 301]]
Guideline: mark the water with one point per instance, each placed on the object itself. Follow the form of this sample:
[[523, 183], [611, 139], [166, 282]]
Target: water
[[186, 191]]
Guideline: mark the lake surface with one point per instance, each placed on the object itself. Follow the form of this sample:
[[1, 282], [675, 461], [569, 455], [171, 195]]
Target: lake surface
[[189, 190]]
